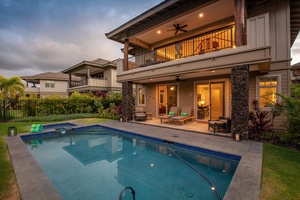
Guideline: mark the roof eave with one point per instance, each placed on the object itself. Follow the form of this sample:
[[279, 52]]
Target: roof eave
[[139, 18]]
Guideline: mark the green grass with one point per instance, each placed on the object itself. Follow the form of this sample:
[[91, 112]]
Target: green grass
[[281, 173], [280, 179]]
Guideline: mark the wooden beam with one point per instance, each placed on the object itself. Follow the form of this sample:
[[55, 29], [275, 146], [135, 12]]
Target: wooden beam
[[240, 13], [139, 43], [126, 46]]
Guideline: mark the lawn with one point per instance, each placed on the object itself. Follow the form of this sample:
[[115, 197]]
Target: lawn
[[280, 178], [281, 173]]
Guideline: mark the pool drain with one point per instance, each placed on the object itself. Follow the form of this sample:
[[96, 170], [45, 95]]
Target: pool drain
[[188, 194]]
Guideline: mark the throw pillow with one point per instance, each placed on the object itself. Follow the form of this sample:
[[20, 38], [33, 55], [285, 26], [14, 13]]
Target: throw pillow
[[171, 113], [184, 114]]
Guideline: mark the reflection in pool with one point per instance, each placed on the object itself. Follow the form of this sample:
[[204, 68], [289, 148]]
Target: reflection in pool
[[97, 163]]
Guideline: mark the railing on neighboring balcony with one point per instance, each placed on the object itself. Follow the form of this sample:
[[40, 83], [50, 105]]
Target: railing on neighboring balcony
[[201, 44], [79, 83], [90, 82]]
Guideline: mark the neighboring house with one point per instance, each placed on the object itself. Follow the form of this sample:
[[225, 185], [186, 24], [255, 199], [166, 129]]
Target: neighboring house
[[97, 75], [48, 83], [215, 56], [296, 73]]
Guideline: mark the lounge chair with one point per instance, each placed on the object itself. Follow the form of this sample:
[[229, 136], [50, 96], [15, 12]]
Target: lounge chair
[[186, 114], [222, 123], [140, 114], [174, 111]]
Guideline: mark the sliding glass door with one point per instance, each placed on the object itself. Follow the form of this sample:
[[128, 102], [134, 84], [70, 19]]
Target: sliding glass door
[[210, 100], [167, 97]]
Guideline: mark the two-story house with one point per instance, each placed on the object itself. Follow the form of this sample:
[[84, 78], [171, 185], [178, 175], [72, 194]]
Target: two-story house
[[48, 83], [97, 75], [212, 55]]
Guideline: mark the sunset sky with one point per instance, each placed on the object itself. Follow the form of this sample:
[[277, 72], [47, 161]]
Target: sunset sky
[[38, 36]]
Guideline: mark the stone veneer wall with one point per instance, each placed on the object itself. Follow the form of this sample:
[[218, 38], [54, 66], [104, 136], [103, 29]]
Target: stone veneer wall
[[240, 100], [127, 101]]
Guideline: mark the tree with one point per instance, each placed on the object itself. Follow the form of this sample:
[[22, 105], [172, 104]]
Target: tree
[[9, 87]]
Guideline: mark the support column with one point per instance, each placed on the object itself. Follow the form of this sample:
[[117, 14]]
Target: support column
[[240, 101], [88, 76], [70, 80], [126, 46], [240, 13], [127, 101]]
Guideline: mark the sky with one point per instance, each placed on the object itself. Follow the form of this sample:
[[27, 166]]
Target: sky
[[38, 36]]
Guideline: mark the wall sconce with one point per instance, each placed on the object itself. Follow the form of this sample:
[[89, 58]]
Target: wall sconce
[[12, 131], [202, 102]]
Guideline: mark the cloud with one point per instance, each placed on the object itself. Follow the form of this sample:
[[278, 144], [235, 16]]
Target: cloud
[[38, 36], [295, 51]]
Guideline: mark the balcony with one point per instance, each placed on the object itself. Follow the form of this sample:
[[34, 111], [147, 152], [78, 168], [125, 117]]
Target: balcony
[[201, 44], [199, 56], [33, 90], [93, 82]]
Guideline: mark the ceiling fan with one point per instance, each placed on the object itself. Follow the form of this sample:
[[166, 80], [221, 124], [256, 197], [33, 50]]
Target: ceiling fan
[[177, 28], [177, 79]]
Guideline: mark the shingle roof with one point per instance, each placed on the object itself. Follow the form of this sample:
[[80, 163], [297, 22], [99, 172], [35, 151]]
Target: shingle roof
[[49, 76]]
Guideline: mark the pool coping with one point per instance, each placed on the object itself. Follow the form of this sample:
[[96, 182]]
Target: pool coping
[[245, 184]]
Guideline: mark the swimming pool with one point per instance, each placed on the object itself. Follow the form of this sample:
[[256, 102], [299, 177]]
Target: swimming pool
[[66, 125], [97, 163]]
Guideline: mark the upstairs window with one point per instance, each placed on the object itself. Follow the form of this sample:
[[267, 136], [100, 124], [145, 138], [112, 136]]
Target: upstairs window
[[49, 84]]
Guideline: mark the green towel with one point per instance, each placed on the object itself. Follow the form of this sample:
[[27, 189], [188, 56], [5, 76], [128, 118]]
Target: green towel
[[36, 128]]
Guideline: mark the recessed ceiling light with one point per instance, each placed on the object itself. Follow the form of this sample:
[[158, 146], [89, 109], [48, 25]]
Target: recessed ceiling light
[[213, 71], [158, 32], [201, 15], [151, 79]]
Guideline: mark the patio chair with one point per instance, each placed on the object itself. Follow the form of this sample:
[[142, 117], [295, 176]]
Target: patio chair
[[140, 114], [222, 123], [186, 114], [173, 112]]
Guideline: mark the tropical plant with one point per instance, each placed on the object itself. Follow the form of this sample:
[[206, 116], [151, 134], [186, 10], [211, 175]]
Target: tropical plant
[[11, 86], [260, 121], [291, 106]]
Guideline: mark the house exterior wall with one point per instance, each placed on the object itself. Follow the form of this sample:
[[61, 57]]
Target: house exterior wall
[[60, 88], [266, 52]]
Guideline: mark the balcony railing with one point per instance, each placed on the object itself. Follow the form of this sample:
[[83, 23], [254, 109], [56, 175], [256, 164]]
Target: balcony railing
[[79, 83], [102, 82], [201, 44]]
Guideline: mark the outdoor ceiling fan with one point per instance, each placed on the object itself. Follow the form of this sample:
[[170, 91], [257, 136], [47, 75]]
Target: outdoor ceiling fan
[[177, 79], [177, 28]]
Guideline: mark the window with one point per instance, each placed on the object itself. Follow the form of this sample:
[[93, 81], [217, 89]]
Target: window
[[49, 84], [268, 86], [141, 96]]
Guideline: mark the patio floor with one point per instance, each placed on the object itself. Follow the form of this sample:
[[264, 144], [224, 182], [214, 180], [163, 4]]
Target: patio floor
[[194, 126], [33, 184]]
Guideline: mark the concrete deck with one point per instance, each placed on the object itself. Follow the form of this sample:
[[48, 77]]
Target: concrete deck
[[33, 184]]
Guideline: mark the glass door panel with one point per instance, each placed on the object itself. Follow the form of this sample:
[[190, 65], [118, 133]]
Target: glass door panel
[[217, 100], [210, 100], [167, 97], [203, 101]]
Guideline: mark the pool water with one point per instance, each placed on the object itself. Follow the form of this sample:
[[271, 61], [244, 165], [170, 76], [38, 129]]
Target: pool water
[[66, 125], [98, 163]]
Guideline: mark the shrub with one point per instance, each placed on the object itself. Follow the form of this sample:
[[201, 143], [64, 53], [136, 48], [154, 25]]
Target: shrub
[[260, 121]]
